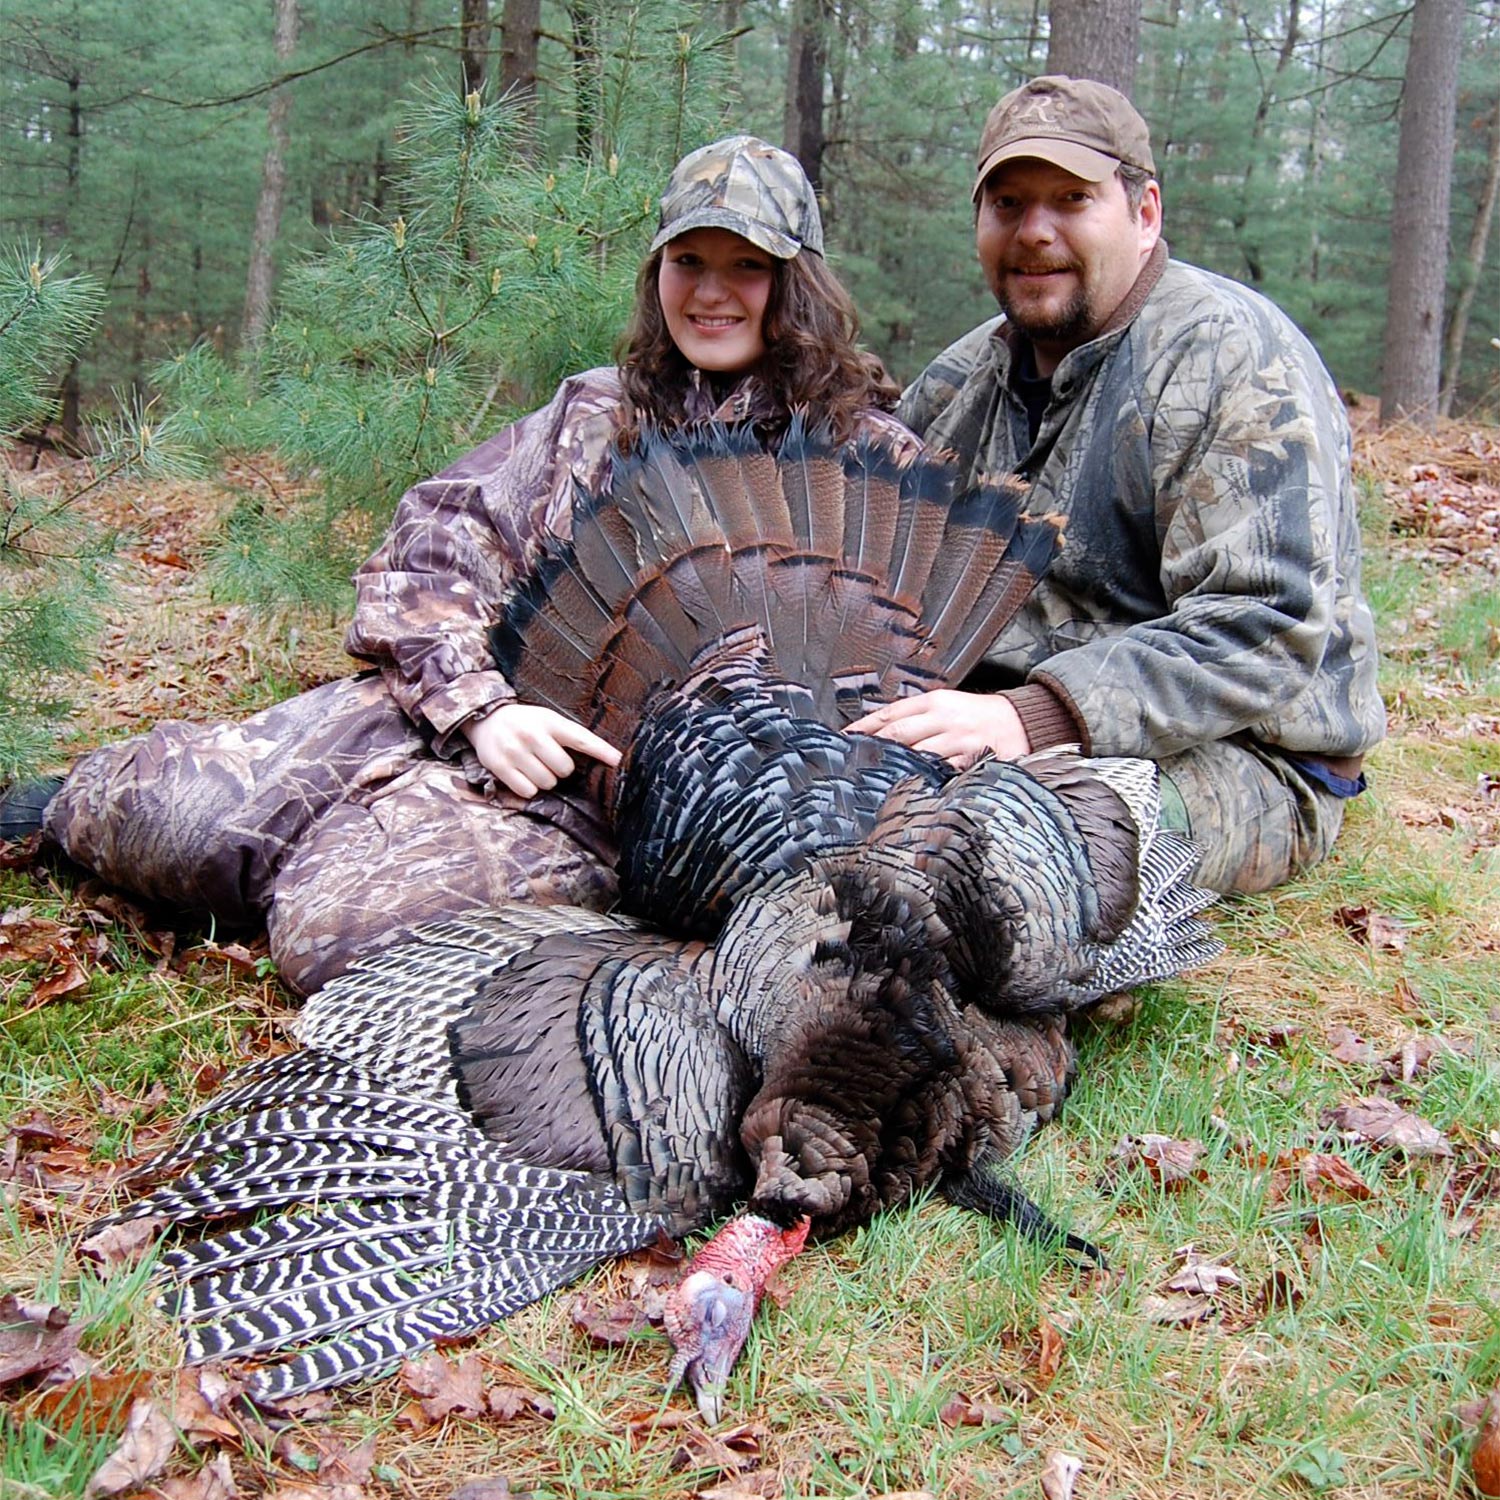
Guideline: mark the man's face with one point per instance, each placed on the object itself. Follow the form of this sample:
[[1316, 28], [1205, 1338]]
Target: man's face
[[1060, 253]]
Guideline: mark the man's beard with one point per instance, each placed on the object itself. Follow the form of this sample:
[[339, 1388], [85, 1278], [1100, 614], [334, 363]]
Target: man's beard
[[1071, 323]]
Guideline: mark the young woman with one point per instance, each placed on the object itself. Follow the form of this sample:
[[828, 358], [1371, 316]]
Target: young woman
[[347, 816]]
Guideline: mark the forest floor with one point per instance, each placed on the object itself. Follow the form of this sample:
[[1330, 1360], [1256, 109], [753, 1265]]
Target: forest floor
[[1292, 1157]]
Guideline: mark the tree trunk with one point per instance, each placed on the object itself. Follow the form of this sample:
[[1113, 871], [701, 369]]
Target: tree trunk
[[1247, 219], [1096, 39], [1479, 242], [272, 188], [587, 97], [807, 59], [520, 26], [473, 46], [1419, 216]]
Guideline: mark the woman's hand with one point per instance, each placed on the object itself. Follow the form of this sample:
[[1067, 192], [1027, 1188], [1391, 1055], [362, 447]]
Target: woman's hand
[[526, 747], [958, 726]]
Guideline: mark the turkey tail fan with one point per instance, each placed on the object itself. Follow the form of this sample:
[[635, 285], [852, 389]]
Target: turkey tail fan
[[842, 568], [404, 1225], [991, 558]]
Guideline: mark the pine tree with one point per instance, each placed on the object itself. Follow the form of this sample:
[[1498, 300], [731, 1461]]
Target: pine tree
[[491, 275], [53, 562]]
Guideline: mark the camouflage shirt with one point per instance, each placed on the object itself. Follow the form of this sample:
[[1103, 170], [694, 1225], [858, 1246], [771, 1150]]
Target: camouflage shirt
[[427, 598], [1209, 583]]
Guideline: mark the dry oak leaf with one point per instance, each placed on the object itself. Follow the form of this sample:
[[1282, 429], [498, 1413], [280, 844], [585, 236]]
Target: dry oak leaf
[[1347, 1046], [1049, 1355], [724, 1452], [759, 1486], [35, 1337], [620, 1323], [306, 1489], [496, 1487], [1180, 1310], [1373, 928], [1326, 1176], [1171, 1163], [122, 1245], [1384, 1123], [971, 1411], [1484, 1461], [1060, 1473], [142, 1453], [443, 1388], [96, 1400], [214, 1481]]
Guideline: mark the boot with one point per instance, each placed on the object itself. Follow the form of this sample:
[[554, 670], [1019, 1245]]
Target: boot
[[22, 805]]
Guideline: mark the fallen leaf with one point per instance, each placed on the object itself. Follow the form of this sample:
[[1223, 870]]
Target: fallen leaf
[[969, 1411], [496, 1487], [1326, 1177], [508, 1402], [203, 1401], [1178, 1310], [1385, 1123], [1373, 928], [767, 1483], [1202, 1278], [443, 1388], [1406, 996], [1485, 1459], [1170, 1163], [122, 1245], [1049, 1355], [620, 1323], [214, 1481], [721, 1453], [34, 1337], [1280, 1291], [142, 1453], [1347, 1046], [63, 981], [1060, 1473], [95, 1402]]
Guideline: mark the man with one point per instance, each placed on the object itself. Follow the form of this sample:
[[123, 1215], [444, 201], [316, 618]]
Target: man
[[1206, 609]]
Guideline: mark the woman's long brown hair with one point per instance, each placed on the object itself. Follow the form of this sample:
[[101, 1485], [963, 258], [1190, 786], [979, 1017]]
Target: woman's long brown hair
[[812, 361]]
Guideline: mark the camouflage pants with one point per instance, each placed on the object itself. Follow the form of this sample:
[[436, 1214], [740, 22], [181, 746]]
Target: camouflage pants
[[326, 818], [1257, 818]]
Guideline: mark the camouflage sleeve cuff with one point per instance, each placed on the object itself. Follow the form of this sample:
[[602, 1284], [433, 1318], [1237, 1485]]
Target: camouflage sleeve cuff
[[462, 700], [1047, 717]]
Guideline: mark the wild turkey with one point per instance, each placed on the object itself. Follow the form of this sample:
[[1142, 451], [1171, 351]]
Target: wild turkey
[[865, 989]]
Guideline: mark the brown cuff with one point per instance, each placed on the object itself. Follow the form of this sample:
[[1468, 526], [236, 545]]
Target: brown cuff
[[1045, 717]]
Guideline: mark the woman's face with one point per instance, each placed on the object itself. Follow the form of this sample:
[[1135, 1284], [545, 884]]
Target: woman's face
[[714, 286]]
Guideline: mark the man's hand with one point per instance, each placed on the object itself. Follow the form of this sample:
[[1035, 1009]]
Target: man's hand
[[958, 726], [526, 747]]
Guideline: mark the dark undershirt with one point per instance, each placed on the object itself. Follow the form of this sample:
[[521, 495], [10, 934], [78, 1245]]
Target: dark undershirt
[[1034, 390]]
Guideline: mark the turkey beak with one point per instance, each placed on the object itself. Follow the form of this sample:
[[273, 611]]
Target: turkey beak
[[708, 1320]]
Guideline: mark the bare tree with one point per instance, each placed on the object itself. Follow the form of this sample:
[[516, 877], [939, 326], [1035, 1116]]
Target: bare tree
[[473, 46], [1098, 39], [1479, 240], [807, 62], [272, 186], [520, 27], [1419, 216]]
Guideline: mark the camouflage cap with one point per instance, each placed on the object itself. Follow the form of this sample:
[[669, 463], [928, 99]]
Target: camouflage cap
[[747, 186], [1084, 127]]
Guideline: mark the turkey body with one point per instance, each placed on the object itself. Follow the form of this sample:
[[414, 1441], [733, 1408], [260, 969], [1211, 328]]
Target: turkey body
[[842, 977]]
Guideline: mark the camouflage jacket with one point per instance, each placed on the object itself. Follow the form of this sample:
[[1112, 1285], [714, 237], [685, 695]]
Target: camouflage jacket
[[427, 598], [1209, 582]]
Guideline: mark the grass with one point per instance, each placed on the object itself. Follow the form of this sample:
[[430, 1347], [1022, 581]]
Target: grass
[[1335, 1366]]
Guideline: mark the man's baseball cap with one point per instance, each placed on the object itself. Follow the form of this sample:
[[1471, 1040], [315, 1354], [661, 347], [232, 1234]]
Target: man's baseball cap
[[745, 185], [1084, 127]]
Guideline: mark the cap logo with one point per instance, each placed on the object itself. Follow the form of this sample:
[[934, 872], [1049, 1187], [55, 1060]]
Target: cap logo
[[1036, 108]]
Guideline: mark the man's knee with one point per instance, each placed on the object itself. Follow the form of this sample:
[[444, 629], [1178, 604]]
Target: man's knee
[[1258, 821]]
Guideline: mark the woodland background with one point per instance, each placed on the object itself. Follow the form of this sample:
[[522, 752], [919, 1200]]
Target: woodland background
[[272, 259], [152, 143]]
